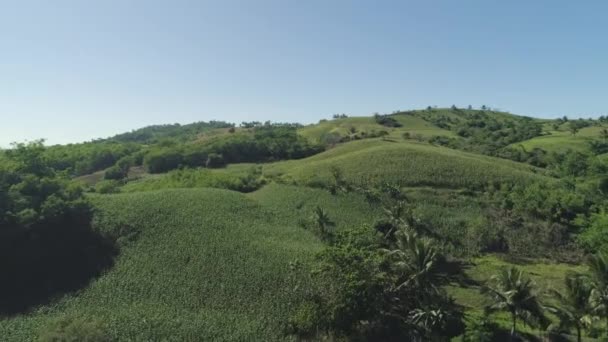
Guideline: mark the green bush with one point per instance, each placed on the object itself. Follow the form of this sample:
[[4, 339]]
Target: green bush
[[162, 160], [108, 187]]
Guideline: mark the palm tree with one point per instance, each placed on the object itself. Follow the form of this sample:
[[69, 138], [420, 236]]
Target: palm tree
[[415, 261], [598, 269], [513, 292], [323, 222], [573, 307]]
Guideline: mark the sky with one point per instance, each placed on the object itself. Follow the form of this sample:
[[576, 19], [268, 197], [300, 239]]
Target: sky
[[73, 71]]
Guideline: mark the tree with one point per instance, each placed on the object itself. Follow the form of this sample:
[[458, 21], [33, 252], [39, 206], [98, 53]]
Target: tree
[[415, 262], [604, 134], [414, 292], [573, 127], [598, 276], [573, 308], [513, 291]]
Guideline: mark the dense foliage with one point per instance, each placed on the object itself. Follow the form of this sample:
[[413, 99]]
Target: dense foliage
[[46, 244], [157, 133], [263, 144]]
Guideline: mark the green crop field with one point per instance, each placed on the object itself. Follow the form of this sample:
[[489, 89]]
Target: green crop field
[[201, 264], [406, 164]]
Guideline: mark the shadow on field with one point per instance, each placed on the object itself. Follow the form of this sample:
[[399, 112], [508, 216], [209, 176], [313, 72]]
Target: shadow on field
[[454, 271], [43, 262]]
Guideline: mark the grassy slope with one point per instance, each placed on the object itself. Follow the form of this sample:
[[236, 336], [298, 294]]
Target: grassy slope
[[206, 264], [412, 124], [562, 140], [404, 163]]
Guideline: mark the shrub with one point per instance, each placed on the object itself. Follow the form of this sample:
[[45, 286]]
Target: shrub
[[162, 160], [108, 187], [386, 120], [116, 173]]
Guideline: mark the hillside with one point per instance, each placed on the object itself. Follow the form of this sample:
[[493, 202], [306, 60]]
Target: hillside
[[217, 232], [405, 164]]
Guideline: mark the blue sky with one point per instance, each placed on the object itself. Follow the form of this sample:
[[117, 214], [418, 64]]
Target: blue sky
[[76, 70]]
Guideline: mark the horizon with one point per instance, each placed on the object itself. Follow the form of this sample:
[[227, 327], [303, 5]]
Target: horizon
[[75, 72], [329, 117]]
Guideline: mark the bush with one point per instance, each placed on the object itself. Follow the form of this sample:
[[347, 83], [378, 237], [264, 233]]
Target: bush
[[116, 173], [108, 187], [386, 120], [162, 160]]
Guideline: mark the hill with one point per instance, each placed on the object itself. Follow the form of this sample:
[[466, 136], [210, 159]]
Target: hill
[[406, 164], [213, 226]]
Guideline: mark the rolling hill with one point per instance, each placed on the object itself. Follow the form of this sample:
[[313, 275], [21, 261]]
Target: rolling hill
[[206, 252]]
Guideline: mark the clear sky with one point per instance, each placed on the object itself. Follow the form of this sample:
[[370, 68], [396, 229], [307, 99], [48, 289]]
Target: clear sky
[[76, 70]]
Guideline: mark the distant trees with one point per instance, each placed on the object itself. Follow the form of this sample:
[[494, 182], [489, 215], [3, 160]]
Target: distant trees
[[154, 134], [386, 120], [267, 142]]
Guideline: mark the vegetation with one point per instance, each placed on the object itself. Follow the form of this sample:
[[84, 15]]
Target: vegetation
[[434, 224]]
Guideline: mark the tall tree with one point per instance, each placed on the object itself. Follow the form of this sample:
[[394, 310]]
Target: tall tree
[[573, 308], [512, 291]]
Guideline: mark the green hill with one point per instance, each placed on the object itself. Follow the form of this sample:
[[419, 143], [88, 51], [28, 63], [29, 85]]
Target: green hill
[[562, 140], [207, 240], [190, 272], [407, 164], [197, 264]]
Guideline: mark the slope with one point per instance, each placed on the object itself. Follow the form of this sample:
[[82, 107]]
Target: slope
[[195, 265], [404, 163]]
